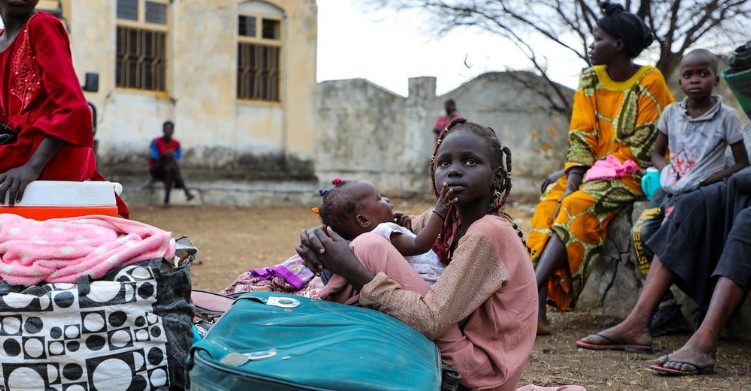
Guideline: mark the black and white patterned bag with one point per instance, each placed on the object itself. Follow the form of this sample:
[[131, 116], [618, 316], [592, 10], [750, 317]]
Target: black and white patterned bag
[[127, 331]]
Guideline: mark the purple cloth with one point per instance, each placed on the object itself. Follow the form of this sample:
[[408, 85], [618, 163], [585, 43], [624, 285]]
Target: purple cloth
[[292, 270]]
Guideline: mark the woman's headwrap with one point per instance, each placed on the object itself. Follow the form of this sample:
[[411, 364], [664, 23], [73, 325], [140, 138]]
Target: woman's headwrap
[[626, 27]]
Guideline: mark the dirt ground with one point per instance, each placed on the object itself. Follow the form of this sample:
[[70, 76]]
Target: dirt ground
[[232, 240]]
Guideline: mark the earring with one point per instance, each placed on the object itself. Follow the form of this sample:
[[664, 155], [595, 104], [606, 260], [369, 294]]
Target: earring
[[496, 199]]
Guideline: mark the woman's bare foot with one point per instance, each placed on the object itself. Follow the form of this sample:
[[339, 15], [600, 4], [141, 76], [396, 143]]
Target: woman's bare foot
[[624, 333]]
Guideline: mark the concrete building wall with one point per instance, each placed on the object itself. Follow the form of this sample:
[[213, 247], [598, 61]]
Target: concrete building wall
[[365, 131], [221, 135]]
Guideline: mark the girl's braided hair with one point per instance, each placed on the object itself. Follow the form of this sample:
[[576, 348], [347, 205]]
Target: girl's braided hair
[[500, 161]]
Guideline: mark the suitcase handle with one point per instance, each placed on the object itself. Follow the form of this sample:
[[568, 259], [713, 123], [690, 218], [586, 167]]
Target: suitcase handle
[[277, 301]]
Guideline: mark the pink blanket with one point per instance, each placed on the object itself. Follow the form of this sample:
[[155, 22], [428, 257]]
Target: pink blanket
[[62, 250]]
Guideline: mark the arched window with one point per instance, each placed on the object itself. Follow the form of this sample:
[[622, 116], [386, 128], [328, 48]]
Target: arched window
[[141, 57], [259, 51]]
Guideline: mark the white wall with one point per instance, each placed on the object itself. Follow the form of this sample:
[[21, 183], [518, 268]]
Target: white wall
[[220, 134]]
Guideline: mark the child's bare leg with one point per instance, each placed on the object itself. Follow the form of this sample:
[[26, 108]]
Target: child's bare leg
[[635, 328], [338, 290]]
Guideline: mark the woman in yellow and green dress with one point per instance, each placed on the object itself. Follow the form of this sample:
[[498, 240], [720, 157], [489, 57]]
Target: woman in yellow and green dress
[[616, 109]]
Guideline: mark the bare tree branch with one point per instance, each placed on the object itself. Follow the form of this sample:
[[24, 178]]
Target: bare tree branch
[[677, 26]]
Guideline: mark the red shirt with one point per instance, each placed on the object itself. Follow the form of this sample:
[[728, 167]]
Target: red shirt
[[40, 96], [159, 147]]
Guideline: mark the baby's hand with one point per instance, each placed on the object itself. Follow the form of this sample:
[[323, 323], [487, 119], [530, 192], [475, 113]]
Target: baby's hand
[[445, 201], [403, 220]]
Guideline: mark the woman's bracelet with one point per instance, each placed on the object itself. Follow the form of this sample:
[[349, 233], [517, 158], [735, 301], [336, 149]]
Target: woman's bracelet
[[439, 215]]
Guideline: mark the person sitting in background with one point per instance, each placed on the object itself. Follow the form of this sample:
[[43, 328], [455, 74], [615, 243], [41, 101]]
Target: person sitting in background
[[444, 120], [696, 132], [163, 162], [45, 123], [613, 125]]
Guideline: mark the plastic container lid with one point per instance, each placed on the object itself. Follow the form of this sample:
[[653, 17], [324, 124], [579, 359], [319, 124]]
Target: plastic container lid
[[68, 194]]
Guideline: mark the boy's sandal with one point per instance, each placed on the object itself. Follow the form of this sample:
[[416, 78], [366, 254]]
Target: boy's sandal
[[694, 369], [613, 344]]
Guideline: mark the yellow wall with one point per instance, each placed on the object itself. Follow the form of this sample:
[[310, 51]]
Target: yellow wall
[[213, 126]]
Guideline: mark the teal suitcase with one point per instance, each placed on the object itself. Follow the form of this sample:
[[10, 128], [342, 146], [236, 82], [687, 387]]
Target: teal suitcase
[[273, 341]]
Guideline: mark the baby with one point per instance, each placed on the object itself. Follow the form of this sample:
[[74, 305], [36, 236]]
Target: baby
[[352, 208]]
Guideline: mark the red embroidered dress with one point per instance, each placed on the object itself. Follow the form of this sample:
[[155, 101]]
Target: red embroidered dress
[[40, 96]]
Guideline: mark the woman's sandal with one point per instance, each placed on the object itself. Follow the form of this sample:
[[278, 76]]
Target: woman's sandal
[[660, 369], [613, 344]]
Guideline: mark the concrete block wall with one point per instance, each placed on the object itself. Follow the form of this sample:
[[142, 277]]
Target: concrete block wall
[[367, 132]]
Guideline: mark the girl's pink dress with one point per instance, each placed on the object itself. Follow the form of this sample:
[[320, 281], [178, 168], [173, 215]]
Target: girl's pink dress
[[482, 311]]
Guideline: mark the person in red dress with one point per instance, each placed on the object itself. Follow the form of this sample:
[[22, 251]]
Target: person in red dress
[[41, 105], [163, 166], [444, 120]]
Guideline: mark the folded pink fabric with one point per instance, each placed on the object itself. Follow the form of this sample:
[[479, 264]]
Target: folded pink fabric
[[62, 250], [610, 168]]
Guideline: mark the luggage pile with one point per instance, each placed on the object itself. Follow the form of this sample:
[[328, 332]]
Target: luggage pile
[[90, 302], [101, 303]]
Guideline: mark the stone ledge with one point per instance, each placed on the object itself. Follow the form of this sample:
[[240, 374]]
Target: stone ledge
[[614, 283], [143, 191]]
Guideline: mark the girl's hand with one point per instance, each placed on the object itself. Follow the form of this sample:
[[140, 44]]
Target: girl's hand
[[403, 220], [322, 247], [309, 251], [552, 178], [14, 181], [445, 201], [326, 248]]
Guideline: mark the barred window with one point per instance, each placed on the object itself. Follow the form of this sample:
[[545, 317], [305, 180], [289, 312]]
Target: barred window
[[141, 57], [259, 50]]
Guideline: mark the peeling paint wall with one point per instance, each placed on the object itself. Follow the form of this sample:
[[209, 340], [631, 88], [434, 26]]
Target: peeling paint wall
[[221, 136], [365, 131]]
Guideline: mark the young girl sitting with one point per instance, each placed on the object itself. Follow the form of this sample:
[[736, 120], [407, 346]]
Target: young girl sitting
[[484, 306], [353, 208]]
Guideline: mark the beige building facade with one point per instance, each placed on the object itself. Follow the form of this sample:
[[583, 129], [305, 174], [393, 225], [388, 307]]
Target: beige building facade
[[237, 77]]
